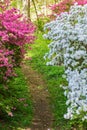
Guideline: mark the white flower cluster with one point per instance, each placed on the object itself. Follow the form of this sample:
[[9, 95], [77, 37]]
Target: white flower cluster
[[69, 46]]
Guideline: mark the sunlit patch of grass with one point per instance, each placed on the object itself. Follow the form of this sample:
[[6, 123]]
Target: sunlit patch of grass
[[53, 78], [17, 97]]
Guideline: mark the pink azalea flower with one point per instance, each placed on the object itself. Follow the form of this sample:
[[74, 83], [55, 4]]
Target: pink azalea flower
[[10, 114]]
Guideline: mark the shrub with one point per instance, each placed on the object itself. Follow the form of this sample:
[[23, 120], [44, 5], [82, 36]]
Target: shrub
[[61, 6], [15, 32], [69, 46], [64, 6]]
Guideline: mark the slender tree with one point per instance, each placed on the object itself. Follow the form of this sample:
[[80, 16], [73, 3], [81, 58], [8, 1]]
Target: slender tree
[[35, 9], [28, 8]]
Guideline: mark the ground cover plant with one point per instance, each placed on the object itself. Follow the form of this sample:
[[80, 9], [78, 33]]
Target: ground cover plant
[[69, 46], [15, 99]]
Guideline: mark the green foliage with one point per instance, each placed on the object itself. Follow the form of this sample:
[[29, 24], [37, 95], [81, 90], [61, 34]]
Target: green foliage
[[40, 22], [16, 3], [15, 104], [53, 78]]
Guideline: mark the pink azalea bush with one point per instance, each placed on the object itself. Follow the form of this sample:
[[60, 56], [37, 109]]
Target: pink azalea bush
[[65, 5], [62, 6], [15, 32], [81, 2]]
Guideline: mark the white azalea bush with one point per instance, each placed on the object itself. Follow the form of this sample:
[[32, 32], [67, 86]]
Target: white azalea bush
[[69, 46]]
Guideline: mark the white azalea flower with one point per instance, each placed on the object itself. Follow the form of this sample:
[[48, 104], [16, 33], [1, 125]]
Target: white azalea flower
[[69, 46]]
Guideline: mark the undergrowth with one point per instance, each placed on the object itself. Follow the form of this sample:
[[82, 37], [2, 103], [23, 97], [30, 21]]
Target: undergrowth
[[16, 96]]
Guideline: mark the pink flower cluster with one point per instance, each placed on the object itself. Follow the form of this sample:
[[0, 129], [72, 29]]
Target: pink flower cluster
[[64, 5], [15, 32], [6, 67], [81, 2]]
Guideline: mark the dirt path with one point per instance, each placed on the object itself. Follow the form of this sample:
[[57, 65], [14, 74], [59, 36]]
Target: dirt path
[[43, 118]]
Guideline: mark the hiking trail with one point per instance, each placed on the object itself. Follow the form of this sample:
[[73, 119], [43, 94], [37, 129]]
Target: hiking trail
[[43, 118]]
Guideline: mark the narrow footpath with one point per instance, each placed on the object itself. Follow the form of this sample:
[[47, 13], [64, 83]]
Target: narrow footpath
[[43, 118]]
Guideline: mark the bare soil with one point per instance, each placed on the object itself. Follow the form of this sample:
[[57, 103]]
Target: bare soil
[[43, 118]]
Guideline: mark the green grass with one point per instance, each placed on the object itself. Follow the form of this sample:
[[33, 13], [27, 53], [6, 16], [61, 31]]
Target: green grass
[[52, 76], [11, 97]]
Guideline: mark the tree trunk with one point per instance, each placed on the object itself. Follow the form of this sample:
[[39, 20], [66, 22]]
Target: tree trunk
[[28, 9], [35, 9], [25, 6]]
